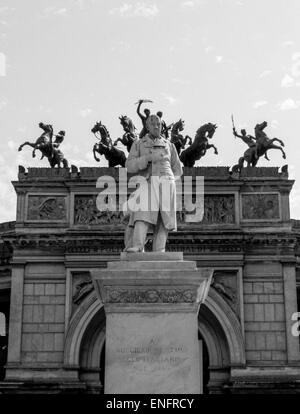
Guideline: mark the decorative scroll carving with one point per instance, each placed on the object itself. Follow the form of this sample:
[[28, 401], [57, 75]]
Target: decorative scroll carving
[[82, 285], [260, 206], [226, 284], [47, 208], [218, 209], [161, 295]]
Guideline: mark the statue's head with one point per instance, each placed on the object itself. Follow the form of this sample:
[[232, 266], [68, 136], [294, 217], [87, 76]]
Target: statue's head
[[147, 112], [159, 114], [181, 124], [153, 125], [243, 132]]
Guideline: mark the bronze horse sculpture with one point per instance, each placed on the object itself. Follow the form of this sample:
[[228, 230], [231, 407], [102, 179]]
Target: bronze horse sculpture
[[129, 135], [48, 148], [105, 147], [263, 144], [199, 146], [178, 139]]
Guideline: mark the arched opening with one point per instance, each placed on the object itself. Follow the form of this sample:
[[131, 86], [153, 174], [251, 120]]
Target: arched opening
[[216, 359], [92, 353], [102, 368], [204, 365], [219, 331]]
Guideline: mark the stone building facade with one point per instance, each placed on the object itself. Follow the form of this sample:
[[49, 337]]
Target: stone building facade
[[55, 322]]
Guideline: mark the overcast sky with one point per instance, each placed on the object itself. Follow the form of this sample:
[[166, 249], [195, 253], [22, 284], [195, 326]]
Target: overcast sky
[[72, 62]]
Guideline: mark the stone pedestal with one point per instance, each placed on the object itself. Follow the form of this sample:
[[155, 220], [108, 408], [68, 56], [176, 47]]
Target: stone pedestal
[[151, 302]]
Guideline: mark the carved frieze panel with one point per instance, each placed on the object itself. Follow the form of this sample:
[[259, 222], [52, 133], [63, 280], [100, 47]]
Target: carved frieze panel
[[263, 206], [47, 208], [87, 213], [218, 209]]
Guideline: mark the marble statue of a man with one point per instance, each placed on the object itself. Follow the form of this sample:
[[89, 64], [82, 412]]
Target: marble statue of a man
[[154, 158]]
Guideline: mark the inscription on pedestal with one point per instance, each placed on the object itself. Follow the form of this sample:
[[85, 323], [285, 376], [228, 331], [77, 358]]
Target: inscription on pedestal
[[151, 355]]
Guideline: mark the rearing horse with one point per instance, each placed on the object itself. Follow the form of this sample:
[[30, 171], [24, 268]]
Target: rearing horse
[[104, 147], [263, 144], [199, 146], [130, 135], [44, 142], [176, 138], [47, 147]]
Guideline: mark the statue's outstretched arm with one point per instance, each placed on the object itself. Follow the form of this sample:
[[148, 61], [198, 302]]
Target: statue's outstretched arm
[[237, 135], [51, 133], [138, 110]]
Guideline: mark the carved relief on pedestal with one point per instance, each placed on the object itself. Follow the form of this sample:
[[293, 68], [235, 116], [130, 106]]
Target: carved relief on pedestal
[[143, 295], [260, 206], [46, 207]]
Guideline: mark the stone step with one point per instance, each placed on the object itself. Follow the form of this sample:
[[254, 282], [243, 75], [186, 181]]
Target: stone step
[[162, 276], [152, 265], [151, 256]]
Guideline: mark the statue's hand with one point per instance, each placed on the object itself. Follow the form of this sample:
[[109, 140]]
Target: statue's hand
[[154, 157]]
